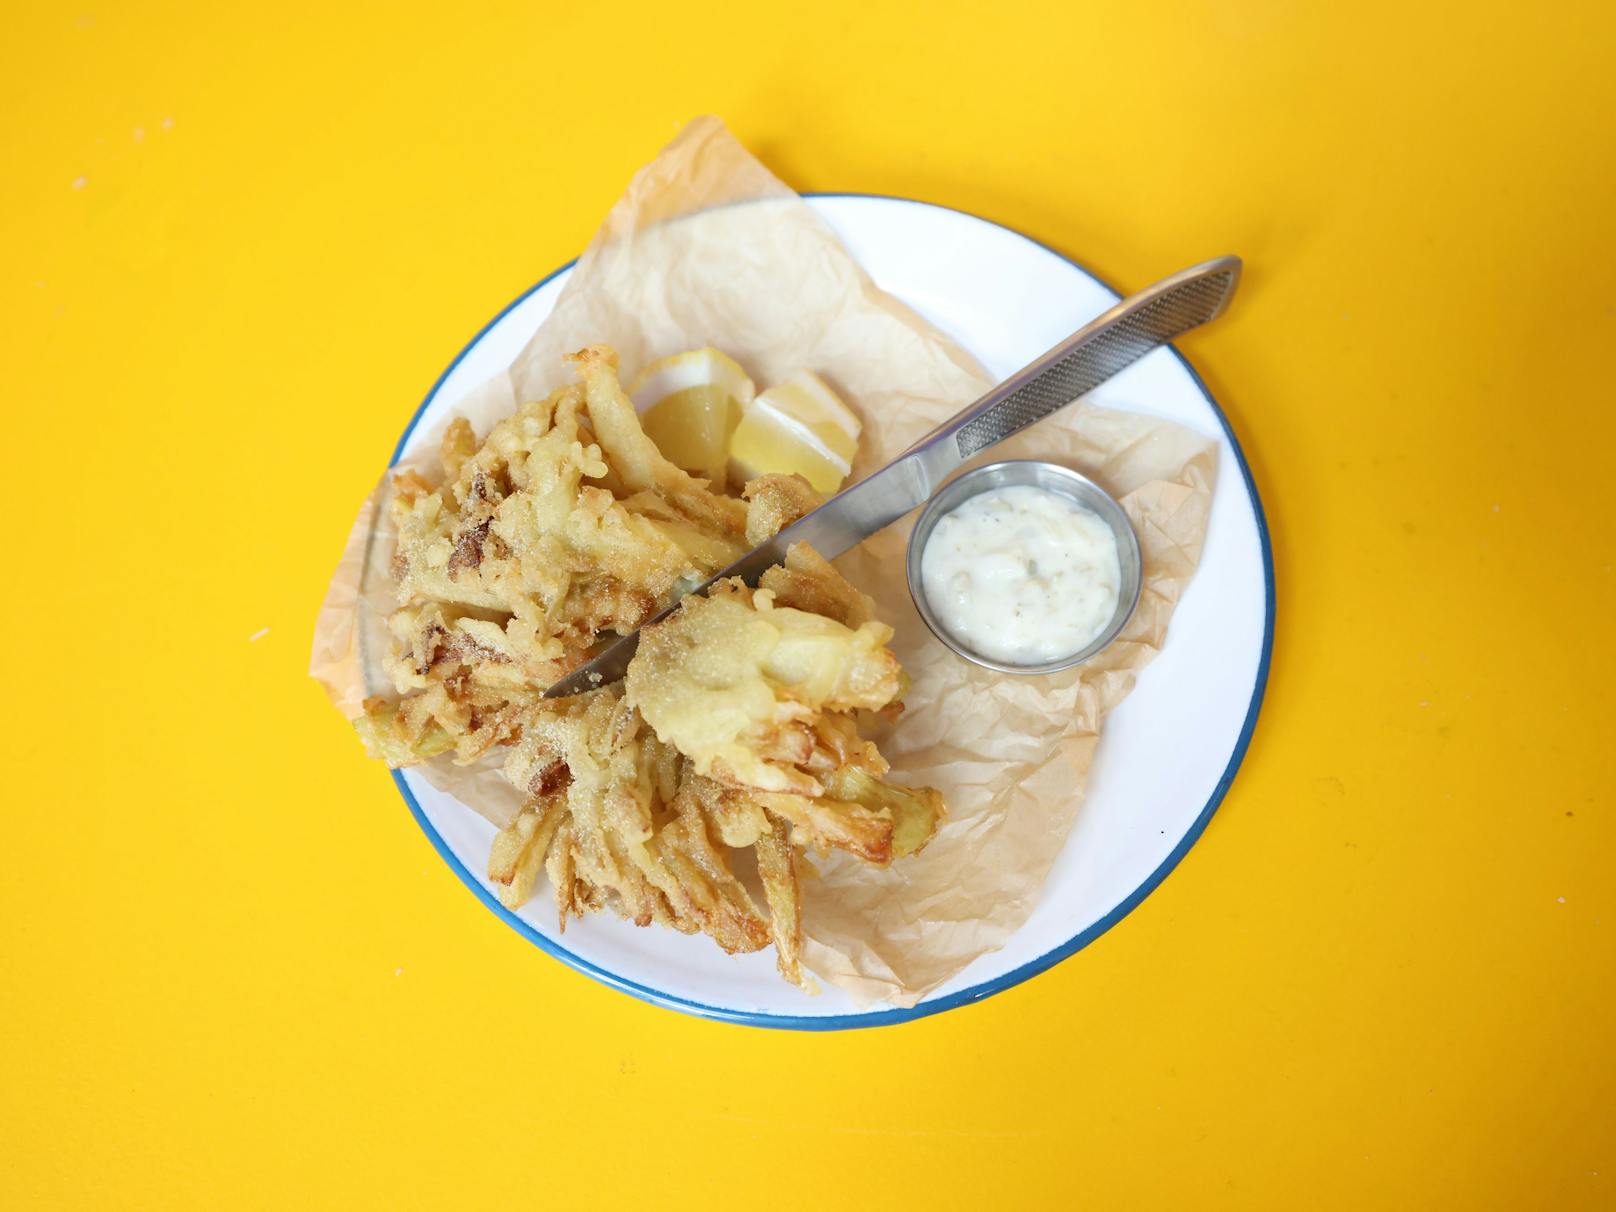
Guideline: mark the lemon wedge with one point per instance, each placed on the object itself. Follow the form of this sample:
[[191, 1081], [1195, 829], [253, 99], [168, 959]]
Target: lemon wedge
[[689, 405], [799, 425]]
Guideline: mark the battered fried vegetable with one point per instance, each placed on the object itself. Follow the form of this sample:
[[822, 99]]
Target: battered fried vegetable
[[737, 684], [735, 728], [775, 502], [519, 850], [759, 696], [806, 581], [566, 522], [777, 868]]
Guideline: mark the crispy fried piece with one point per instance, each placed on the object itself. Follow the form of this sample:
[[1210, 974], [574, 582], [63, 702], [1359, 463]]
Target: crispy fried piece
[[615, 778], [458, 444], [777, 867], [519, 850], [915, 811], [540, 538], [697, 881], [564, 523], [637, 460], [559, 867], [462, 680], [760, 698], [863, 814], [807, 581], [774, 502], [390, 734], [734, 682], [828, 823], [737, 818]]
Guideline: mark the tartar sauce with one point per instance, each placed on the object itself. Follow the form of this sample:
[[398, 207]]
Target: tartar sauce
[[1021, 575]]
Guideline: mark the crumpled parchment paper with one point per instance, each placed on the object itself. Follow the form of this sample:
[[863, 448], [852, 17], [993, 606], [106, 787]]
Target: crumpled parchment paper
[[708, 248]]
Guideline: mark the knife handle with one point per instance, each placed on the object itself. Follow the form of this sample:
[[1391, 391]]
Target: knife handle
[[1091, 355]]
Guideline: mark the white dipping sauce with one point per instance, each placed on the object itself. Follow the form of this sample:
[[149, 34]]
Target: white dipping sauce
[[1021, 575]]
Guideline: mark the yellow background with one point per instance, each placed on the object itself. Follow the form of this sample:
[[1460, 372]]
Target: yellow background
[[240, 241]]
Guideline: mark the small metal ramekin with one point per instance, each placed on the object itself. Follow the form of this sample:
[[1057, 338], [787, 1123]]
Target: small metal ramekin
[[1055, 478]]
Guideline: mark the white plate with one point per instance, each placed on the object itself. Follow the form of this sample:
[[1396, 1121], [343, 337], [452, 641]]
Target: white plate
[[1166, 756]]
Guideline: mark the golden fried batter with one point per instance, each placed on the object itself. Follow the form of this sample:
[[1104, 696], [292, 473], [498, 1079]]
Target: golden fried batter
[[737, 683], [735, 728], [775, 502], [566, 522]]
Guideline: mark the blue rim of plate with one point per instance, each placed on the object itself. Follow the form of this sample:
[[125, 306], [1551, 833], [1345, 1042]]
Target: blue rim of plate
[[976, 993]]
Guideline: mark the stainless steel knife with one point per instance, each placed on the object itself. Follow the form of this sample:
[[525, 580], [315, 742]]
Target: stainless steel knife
[[1084, 360]]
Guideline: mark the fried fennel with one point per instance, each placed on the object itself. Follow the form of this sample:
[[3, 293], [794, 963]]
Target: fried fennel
[[737, 727]]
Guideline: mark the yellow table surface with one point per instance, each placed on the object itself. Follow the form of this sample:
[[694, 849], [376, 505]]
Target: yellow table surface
[[240, 242]]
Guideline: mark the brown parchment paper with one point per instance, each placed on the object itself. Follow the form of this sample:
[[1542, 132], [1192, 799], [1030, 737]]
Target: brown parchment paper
[[708, 247]]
